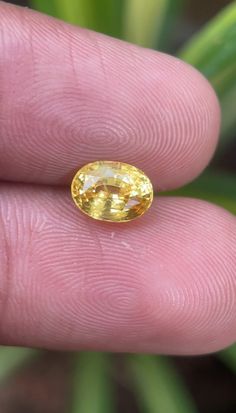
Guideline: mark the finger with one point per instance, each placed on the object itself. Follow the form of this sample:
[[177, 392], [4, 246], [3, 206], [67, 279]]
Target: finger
[[71, 96], [164, 284]]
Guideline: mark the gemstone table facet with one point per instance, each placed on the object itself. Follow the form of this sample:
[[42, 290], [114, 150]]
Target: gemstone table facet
[[112, 191]]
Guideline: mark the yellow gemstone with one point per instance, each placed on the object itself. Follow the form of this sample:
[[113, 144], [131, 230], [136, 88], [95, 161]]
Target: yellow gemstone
[[112, 191]]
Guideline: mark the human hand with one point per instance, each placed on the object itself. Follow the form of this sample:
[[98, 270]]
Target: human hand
[[164, 283]]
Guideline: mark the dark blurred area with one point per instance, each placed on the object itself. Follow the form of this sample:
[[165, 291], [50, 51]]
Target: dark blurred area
[[18, 2], [44, 385]]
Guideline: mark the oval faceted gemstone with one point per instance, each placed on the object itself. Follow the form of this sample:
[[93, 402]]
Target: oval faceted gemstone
[[112, 191]]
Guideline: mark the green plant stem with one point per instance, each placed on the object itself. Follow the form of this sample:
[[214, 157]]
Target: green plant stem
[[157, 385], [143, 21], [150, 23], [92, 385], [168, 24]]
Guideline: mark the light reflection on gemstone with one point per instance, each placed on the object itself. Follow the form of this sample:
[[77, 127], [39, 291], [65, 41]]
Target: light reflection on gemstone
[[111, 191]]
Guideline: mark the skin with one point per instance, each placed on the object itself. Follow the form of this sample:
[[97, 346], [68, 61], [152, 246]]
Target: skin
[[165, 283]]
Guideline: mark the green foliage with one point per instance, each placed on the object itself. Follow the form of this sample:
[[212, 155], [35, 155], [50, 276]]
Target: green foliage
[[148, 23], [92, 387], [11, 358], [213, 52], [47, 7], [100, 15], [157, 385], [228, 356], [212, 186]]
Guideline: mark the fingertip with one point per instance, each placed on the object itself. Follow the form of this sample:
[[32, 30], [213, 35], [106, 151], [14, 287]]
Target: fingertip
[[189, 123], [85, 94]]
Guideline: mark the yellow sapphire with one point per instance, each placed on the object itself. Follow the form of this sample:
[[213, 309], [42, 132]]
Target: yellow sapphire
[[112, 191]]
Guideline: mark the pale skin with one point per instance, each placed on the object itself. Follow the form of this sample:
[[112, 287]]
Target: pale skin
[[165, 283]]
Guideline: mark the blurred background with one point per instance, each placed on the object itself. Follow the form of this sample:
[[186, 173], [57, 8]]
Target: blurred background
[[204, 34]]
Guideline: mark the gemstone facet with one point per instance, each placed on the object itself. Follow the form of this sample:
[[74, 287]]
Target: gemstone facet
[[111, 191]]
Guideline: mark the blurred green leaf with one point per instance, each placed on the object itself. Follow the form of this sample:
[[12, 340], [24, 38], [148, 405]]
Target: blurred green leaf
[[216, 187], [12, 358], [92, 384], [213, 52], [168, 25], [143, 19], [157, 385], [103, 15], [148, 23], [45, 6], [228, 356]]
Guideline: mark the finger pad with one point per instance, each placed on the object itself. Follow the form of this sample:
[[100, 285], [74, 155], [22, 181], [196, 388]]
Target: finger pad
[[164, 283], [76, 96]]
